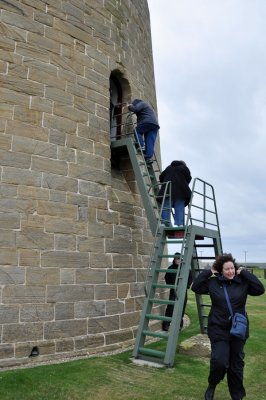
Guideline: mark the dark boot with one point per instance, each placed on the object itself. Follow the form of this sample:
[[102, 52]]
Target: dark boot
[[210, 392], [165, 326]]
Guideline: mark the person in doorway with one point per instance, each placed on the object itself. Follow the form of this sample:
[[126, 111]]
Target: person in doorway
[[227, 351], [147, 127], [170, 280], [179, 175]]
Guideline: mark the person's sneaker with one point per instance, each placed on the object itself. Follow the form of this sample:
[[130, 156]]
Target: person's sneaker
[[149, 160]]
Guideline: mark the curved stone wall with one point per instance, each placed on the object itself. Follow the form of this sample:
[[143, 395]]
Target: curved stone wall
[[74, 240]]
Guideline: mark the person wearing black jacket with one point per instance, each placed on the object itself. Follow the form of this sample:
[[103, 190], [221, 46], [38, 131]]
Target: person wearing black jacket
[[179, 175], [227, 351], [170, 280]]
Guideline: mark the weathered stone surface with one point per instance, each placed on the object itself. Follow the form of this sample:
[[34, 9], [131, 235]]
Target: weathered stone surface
[[197, 346], [65, 329], [72, 226], [103, 324]]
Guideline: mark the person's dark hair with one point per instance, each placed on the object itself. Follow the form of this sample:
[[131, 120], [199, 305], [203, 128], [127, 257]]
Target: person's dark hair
[[220, 260], [177, 163], [176, 256]]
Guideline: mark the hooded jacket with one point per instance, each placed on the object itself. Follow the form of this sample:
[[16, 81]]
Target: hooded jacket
[[238, 288], [179, 174], [144, 112]]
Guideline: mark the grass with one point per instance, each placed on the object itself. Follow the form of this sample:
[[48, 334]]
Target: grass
[[116, 377]]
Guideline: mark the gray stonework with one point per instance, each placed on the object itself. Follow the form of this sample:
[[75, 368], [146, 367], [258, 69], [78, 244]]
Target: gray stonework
[[74, 239]]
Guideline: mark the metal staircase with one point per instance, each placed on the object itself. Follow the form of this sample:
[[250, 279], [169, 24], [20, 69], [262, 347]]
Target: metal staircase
[[201, 234]]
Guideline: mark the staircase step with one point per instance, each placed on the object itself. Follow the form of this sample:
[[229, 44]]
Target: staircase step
[[161, 335], [162, 301], [158, 317], [150, 352], [163, 286]]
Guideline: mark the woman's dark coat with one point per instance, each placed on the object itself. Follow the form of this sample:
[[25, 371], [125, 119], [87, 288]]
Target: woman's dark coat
[[242, 285], [179, 174]]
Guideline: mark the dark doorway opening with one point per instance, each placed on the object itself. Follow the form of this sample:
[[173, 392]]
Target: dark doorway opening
[[116, 97]]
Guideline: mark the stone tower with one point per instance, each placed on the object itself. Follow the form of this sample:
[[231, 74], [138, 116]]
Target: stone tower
[[74, 239]]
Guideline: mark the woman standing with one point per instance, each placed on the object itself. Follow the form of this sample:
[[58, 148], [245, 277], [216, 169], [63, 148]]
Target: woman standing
[[179, 176], [227, 351]]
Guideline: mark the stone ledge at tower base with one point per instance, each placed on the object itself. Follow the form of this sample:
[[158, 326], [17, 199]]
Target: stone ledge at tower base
[[197, 346]]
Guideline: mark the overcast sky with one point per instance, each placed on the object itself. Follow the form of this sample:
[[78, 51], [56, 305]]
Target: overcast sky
[[210, 74]]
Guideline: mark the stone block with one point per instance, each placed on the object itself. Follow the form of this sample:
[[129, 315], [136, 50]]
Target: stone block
[[71, 113], [64, 311], [18, 128], [22, 22], [91, 276], [84, 105], [12, 275], [118, 337], [121, 275], [103, 324], [36, 312], [115, 307], [29, 192], [65, 226], [105, 292], [123, 290], [66, 154], [75, 142], [20, 294], [64, 346], [34, 147], [42, 276], [91, 244], [33, 53], [129, 319], [25, 332], [65, 242], [120, 246], [9, 314], [69, 293], [108, 217], [8, 256], [89, 342], [29, 116], [100, 260], [17, 176], [93, 189], [75, 32], [64, 329], [57, 209], [130, 305], [40, 104], [43, 18], [57, 182], [67, 276], [58, 95], [7, 351], [44, 43], [64, 259], [34, 239], [122, 261], [63, 125], [89, 309], [29, 257], [9, 220], [44, 164], [6, 111], [137, 289], [22, 85], [17, 160]]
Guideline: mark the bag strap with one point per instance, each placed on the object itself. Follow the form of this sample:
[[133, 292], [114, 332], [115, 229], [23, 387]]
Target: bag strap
[[228, 300]]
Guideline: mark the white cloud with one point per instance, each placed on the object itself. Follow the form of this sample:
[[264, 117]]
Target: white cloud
[[210, 64]]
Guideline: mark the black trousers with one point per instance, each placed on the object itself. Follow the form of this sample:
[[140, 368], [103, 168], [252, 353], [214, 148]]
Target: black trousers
[[170, 308], [227, 358]]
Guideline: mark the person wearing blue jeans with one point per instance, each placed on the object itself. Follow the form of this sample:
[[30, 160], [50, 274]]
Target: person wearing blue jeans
[[179, 175], [147, 127], [179, 216]]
